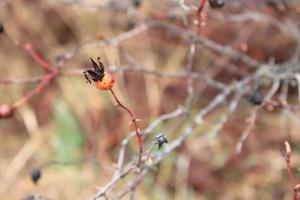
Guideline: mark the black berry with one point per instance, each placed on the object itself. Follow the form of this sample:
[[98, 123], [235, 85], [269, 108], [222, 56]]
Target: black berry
[[216, 3], [160, 140], [1, 28], [35, 175], [255, 97], [272, 2], [29, 197], [130, 25], [172, 17], [136, 3]]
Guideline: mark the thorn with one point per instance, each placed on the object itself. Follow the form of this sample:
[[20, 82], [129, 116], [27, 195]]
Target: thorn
[[287, 148], [149, 159]]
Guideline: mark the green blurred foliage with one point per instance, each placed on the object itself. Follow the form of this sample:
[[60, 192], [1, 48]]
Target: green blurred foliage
[[67, 141]]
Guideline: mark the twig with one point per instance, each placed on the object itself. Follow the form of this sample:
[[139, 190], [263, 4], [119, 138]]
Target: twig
[[111, 183], [250, 125], [45, 80], [286, 153], [37, 58], [199, 14], [134, 121], [119, 172], [133, 184]]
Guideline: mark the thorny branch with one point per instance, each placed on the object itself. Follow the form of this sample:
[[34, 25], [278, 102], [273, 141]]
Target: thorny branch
[[286, 153], [134, 121], [120, 172]]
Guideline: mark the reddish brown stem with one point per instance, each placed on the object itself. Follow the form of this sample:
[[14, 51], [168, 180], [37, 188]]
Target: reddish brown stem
[[134, 121], [287, 157], [199, 13], [291, 177], [46, 79], [53, 73], [201, 6], [296, 192], [290, 173], [37, 58]]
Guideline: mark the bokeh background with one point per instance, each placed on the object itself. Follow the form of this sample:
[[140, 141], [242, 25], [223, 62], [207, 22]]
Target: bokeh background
[[79, 130]]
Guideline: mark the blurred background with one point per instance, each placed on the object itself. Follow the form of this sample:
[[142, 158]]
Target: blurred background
[[72, 133]]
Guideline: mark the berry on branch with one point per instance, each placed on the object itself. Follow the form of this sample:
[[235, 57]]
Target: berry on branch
[[216, 3], [35, 175], [160, 140], [102, 79]]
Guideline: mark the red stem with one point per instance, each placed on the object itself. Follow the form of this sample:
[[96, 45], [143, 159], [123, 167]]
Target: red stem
[[290, 174], [287, 158], [53, 73], [37, 58], [199, 13], [46, 79], [201, 6], [133, 119]]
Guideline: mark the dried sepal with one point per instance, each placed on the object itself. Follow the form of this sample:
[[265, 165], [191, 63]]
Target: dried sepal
[[102, 79]]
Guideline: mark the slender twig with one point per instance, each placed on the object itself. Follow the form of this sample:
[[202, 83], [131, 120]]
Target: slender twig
[[119, 172], [250, 125], [130, 187], [102, 192], [287, 157], [37, 58], [199, 16], [44, 80], [134, 121]]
